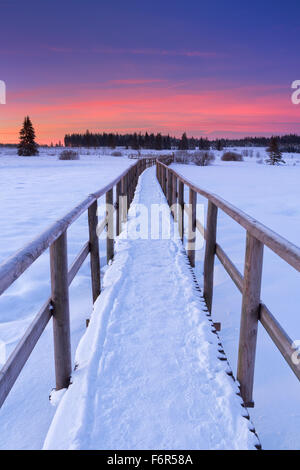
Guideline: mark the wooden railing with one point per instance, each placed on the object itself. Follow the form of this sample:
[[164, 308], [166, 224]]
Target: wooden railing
[[258, 236], [57, 306]]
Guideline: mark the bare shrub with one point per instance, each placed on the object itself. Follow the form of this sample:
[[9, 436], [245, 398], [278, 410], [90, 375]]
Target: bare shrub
[[202, 158], [232, 157], [182, 156], [245, 153], [199, 158], [68, 155], [260, 161], [258, 154], [116, 153]]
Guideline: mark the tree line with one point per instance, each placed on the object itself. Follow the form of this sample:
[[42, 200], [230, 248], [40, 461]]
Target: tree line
[[28, 146], [136, 141]]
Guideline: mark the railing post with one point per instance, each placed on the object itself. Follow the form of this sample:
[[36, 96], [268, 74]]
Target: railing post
[[174, 197], [163, 181], [210, 250], [170, 185], [192, 227], [127, 186], [249, 317], [94, 250], [118, 219], [110, 225], [61, 314], [123, 203], [181, 209]]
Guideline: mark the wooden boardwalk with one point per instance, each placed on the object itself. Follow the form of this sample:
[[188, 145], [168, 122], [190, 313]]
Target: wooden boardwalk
[[119, 195], [151, 372]]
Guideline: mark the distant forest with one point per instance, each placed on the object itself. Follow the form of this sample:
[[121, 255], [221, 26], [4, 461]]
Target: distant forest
[[287, 143]]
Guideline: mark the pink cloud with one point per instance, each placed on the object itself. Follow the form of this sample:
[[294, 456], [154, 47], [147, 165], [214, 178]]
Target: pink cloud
[[55, 111]]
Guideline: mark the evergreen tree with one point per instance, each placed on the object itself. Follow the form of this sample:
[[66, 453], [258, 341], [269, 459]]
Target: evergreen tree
[[275, 156], [158, 142], [27, 146], [168, 143], [111, 140], [219, 145], [184, 143], [135, 142], [147, 140]]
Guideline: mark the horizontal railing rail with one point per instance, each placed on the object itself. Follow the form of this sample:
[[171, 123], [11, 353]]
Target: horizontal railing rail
[[57, 306], [249, 284]]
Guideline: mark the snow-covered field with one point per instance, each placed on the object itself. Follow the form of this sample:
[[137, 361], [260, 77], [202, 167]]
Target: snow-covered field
[[272, 196], [36, 191]]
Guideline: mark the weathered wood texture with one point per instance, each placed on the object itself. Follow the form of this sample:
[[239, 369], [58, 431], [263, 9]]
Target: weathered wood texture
[[282, 247], [110, 225], [55, 238], [249, 317], [192, 227], [61, 314], [253, 310], [181, 209], [15, 363], [174, 197], [210, 250], [94, 249]]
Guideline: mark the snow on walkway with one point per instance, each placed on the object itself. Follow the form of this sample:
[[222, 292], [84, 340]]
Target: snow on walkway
[[147, 374]]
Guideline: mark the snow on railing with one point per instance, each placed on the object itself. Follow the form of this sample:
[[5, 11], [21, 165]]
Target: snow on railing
[[57, 306], [258, 235]]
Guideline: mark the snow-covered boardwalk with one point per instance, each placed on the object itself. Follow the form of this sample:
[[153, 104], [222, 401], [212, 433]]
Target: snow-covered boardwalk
[[148, 374]]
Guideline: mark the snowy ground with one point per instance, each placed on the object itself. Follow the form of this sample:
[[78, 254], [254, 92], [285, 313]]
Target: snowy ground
[[271, 195], [37, 191], [34, 192], [147, 373]]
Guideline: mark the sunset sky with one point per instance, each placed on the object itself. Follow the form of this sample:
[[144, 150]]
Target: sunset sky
[[210, 68]]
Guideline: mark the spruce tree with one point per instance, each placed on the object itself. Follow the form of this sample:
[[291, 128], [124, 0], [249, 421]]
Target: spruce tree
[[275, 155], [158, 142], [27, 146], [184, 143]]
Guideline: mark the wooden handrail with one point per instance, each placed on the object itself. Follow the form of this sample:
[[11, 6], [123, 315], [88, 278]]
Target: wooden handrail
[[253, 309], [57, 306], [278, 244]]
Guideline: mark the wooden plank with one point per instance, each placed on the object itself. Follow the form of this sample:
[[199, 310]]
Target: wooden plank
[[94, 250], [174, 198], [281, 246], [210, 249], [249, 317], [61, 314], [118, 217], [170, 187], [12, 268], [113, 183], [18, 358], [78, 262], [181, 209], [23, 350], [110, 226], [231, 269], [280, 338], [191, 242]]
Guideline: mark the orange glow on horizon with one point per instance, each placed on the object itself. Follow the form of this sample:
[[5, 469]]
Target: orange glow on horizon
[[148, 105]]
